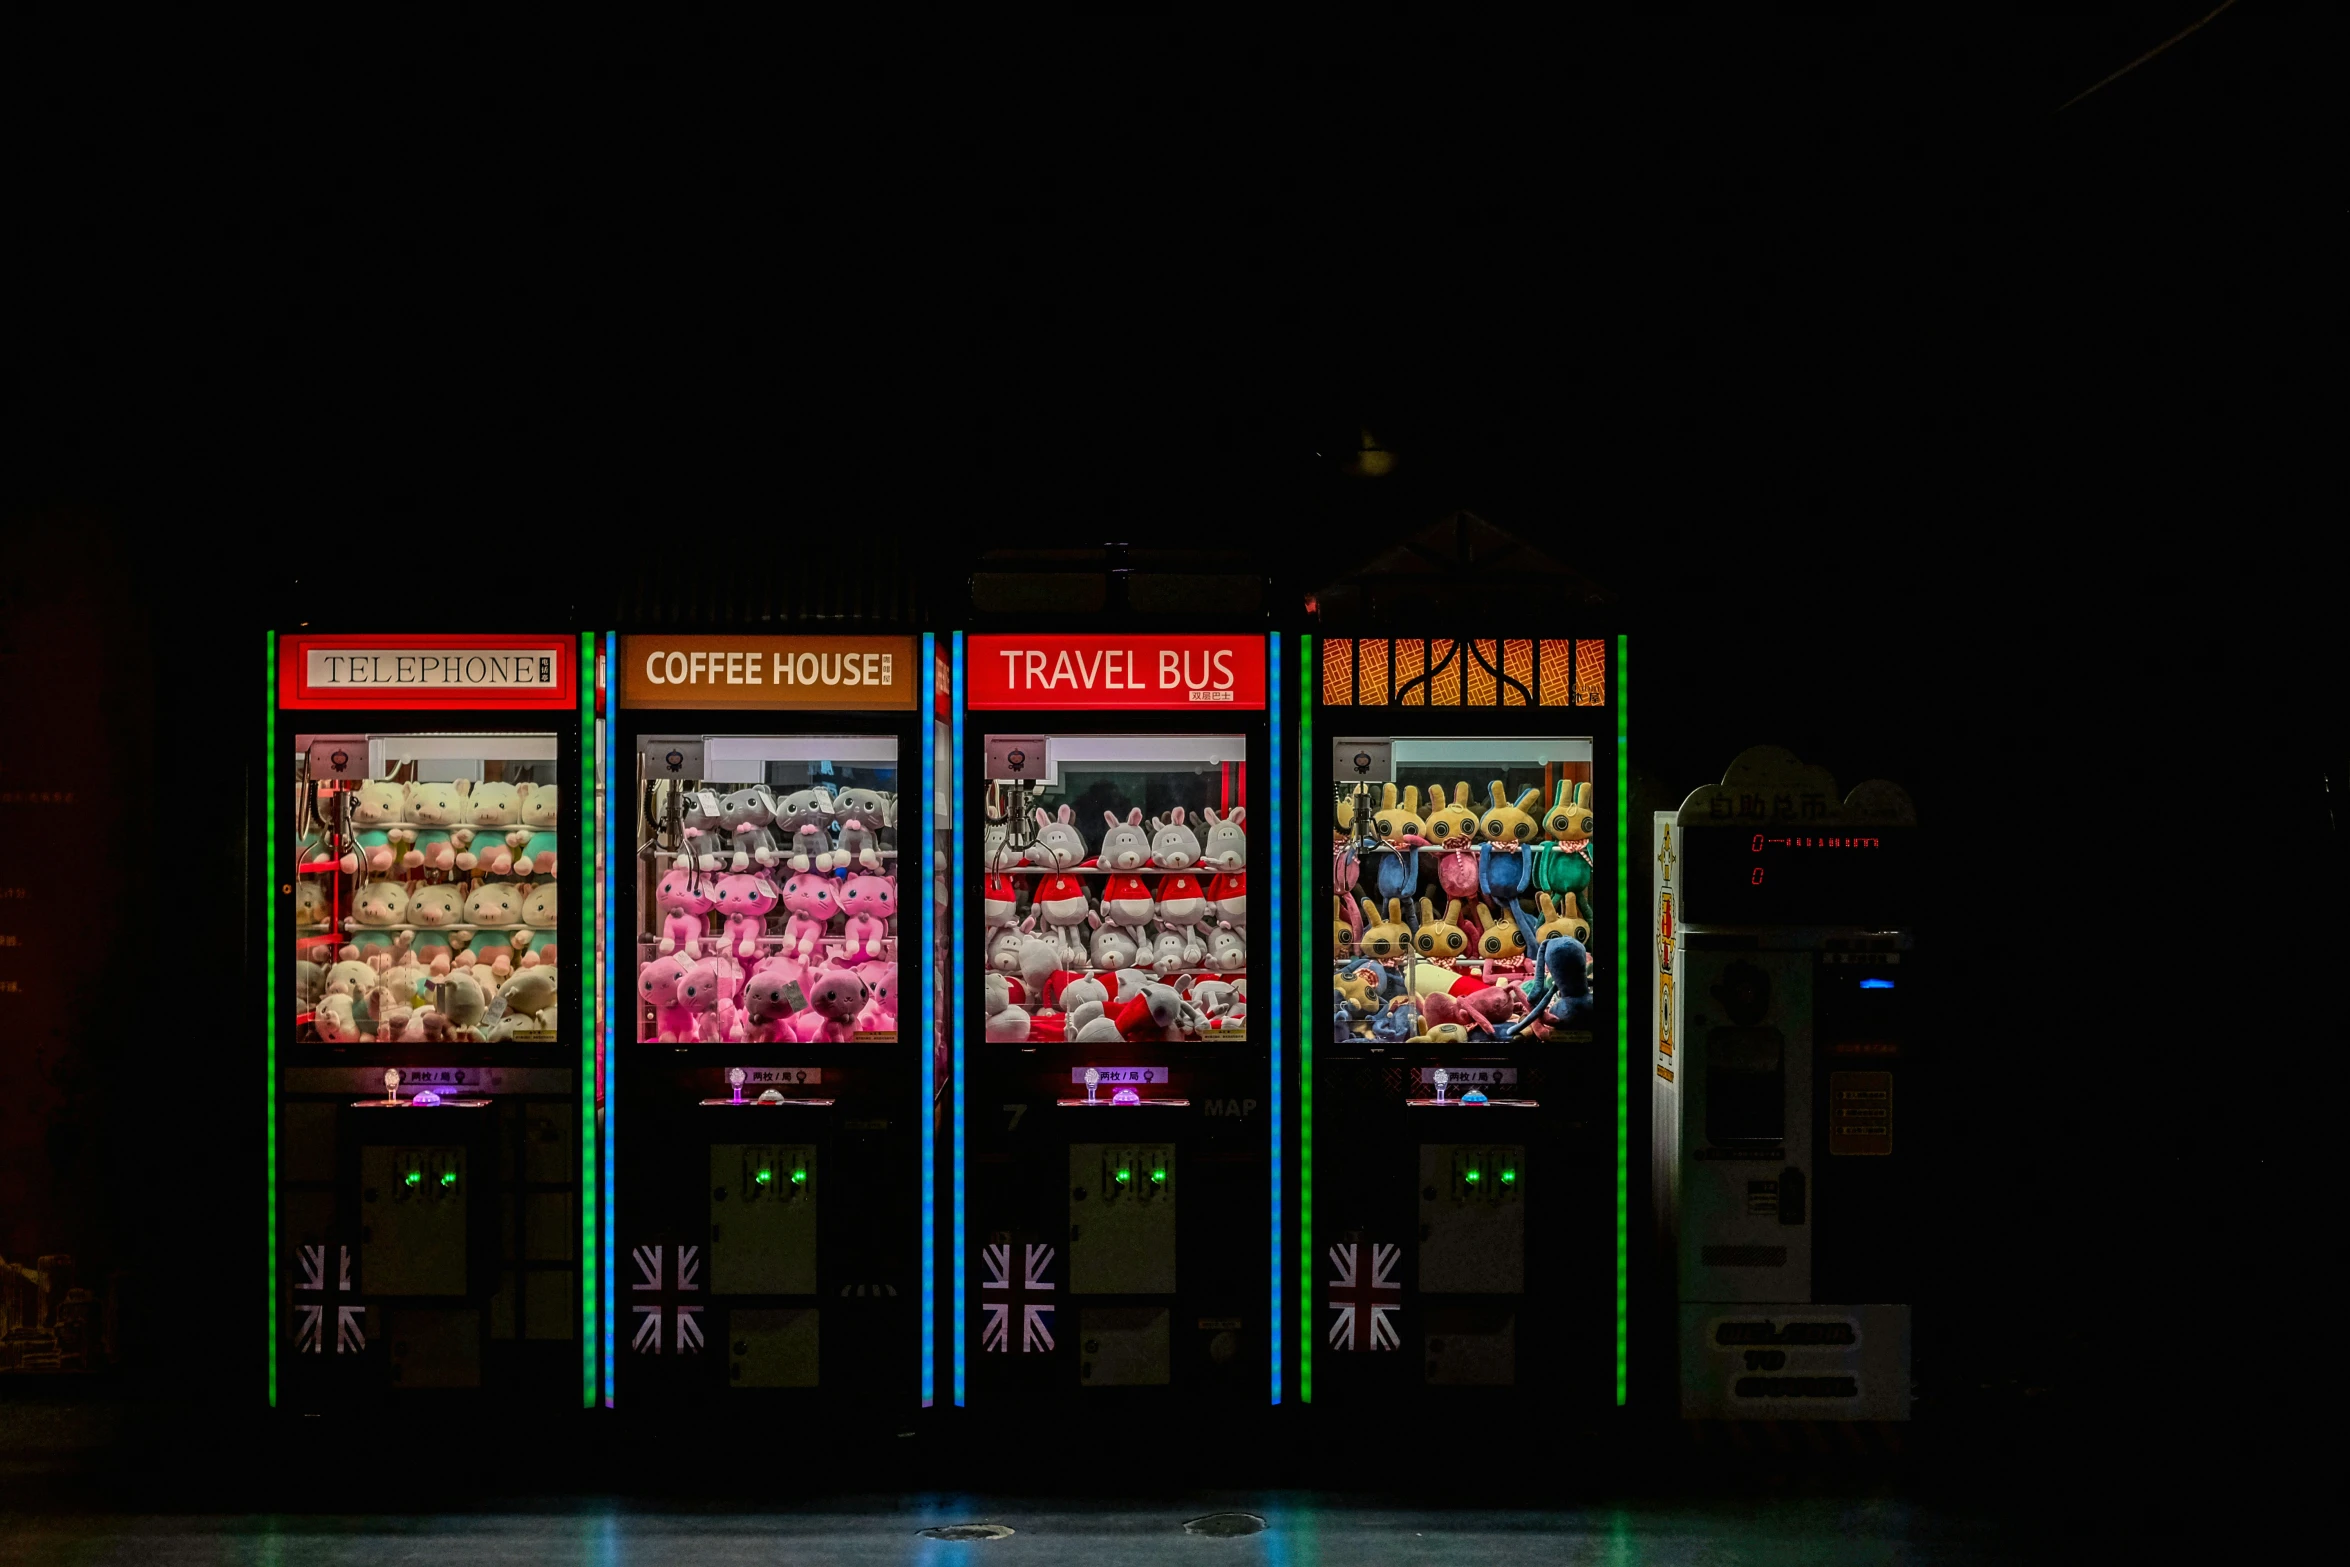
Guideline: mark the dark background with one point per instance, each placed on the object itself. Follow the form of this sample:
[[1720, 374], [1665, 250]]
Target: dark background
[[1900, 419]]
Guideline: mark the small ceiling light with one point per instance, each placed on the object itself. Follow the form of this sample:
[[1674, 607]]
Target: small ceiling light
[[1369, 459]]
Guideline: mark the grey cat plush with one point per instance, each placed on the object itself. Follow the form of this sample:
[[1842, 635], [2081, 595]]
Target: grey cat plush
[[707, 841], [861, 814], [748, 816], [803, 818]]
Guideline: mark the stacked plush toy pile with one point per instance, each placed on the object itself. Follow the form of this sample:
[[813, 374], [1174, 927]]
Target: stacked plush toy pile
[[778, 921], [1144, 937], [1510, 951], [453, 908]]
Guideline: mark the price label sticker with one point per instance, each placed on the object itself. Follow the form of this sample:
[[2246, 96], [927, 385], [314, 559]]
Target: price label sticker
[[1470, 1076], [1138, 1075], [780, 1076]]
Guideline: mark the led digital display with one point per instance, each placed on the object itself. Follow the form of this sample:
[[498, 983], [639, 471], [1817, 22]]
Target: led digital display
[[1778, 874]]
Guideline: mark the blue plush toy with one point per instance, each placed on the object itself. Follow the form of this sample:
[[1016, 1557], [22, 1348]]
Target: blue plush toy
[[1395, 873], [1504, 875], [1398, 1021], [1561, 997]]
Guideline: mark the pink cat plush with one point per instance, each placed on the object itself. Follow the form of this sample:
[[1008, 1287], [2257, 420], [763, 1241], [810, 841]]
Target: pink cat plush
[[684, 902], [809, 897], [658, 984], [834, 1001], [744, 901]]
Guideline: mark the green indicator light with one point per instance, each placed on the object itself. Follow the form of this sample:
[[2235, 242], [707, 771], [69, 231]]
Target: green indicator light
[[1471, 1177], [416, 1177], [765, 1176], [448, 1177], [1158, 1177], [1509, 1177], [799, 1177], [1122, 1175]]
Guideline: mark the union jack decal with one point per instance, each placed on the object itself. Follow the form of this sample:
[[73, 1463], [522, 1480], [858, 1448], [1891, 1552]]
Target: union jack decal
[[668, 1299], [1036, 1317], [310, 1315], [1365, 1307]]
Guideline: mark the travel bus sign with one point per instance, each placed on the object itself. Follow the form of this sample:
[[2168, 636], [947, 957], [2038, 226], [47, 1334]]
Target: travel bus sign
[[403, 670], [1214, 673]]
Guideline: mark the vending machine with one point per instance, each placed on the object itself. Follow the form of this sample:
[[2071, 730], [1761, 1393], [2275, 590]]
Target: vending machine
[[1118, 1068], [431, 1019], [1461, 1142], [1786, 1061], [779, 860]]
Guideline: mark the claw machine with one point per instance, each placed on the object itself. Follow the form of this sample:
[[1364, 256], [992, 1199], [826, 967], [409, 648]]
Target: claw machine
[[778, 852], [430, 954], [1118, 1071], [1462, 1084]]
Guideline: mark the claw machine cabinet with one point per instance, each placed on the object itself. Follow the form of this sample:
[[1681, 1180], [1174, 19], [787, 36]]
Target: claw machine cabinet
[[1460, 1098], [1118, 1071], [771, 1121], [1785, 1074], [431, 1020]]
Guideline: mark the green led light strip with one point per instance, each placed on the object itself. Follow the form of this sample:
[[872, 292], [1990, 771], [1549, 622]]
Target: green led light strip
[[586, 796], [269, 810], [1623, 992], [1306, 1007]]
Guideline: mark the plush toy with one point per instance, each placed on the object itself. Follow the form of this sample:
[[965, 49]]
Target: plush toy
[[309, 903], [684, 900], [803, 821], [744, 902], [1452, 832], [1227, 897], [659, 985], [1227, 948], [1507, 820], [435, 810], [1505, 871], [463, 1004], [1388, 938], [1170, 952], [1126, 900], [881, 1005], [1397, 822], [808, 898], [708, 846], [1039, 959], [999, 900], [1440, 938], [336, 1019], [834, 1001], [860, 813], [542, 911], [1087, 990], [1396, 1022], [1569, 818], [377, 904], [1227, 846], [492, 813], [1563, 919], [1061, 903], [1153, 1014], [871, 897], [494, 903], [527, 995], [1468, 1014], [1346, 925], [748, 815], [1112, 946], [1004, 1020], [1125, 847], [541, 809], [1058, 846], [1174, 846], [1561, 997], [431, 910], [371, 812], [354, 981], [1499, 940], [1181, 900], [1217, 998], [771, 998], [309, 984], [1003, 949], [867, 936], [705, 995]]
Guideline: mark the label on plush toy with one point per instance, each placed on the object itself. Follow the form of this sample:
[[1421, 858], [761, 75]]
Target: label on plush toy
[[1118, 1076]]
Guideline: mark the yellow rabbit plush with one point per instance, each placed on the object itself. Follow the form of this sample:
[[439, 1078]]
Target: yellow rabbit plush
[[1569, 818], [1441, 939], [1510, 821], [1387, 939], [1566, 920], [1398, 822], [1454, 825], [1499, 939]]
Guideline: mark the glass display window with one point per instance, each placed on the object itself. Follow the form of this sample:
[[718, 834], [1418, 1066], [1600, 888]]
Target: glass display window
[[768, 889], [427, 887], [1115, 891], [1465, 893]]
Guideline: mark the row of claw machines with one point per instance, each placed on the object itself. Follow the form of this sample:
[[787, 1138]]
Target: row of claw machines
[[845, 1026]]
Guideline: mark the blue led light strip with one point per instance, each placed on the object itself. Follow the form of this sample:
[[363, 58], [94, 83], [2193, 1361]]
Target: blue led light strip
[[925, 974], [962, 845], [617, 950], [1277, 1013]]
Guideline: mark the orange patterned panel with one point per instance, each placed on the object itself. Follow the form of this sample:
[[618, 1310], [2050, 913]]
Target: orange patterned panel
[[1557, 673], [1517, 663], [1411, 660], [1338, 672], [1480, 660], [1374, 675], [1444, 674], [1590, 673]]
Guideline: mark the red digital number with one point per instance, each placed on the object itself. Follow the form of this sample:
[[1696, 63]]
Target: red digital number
[[1756, 878]]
